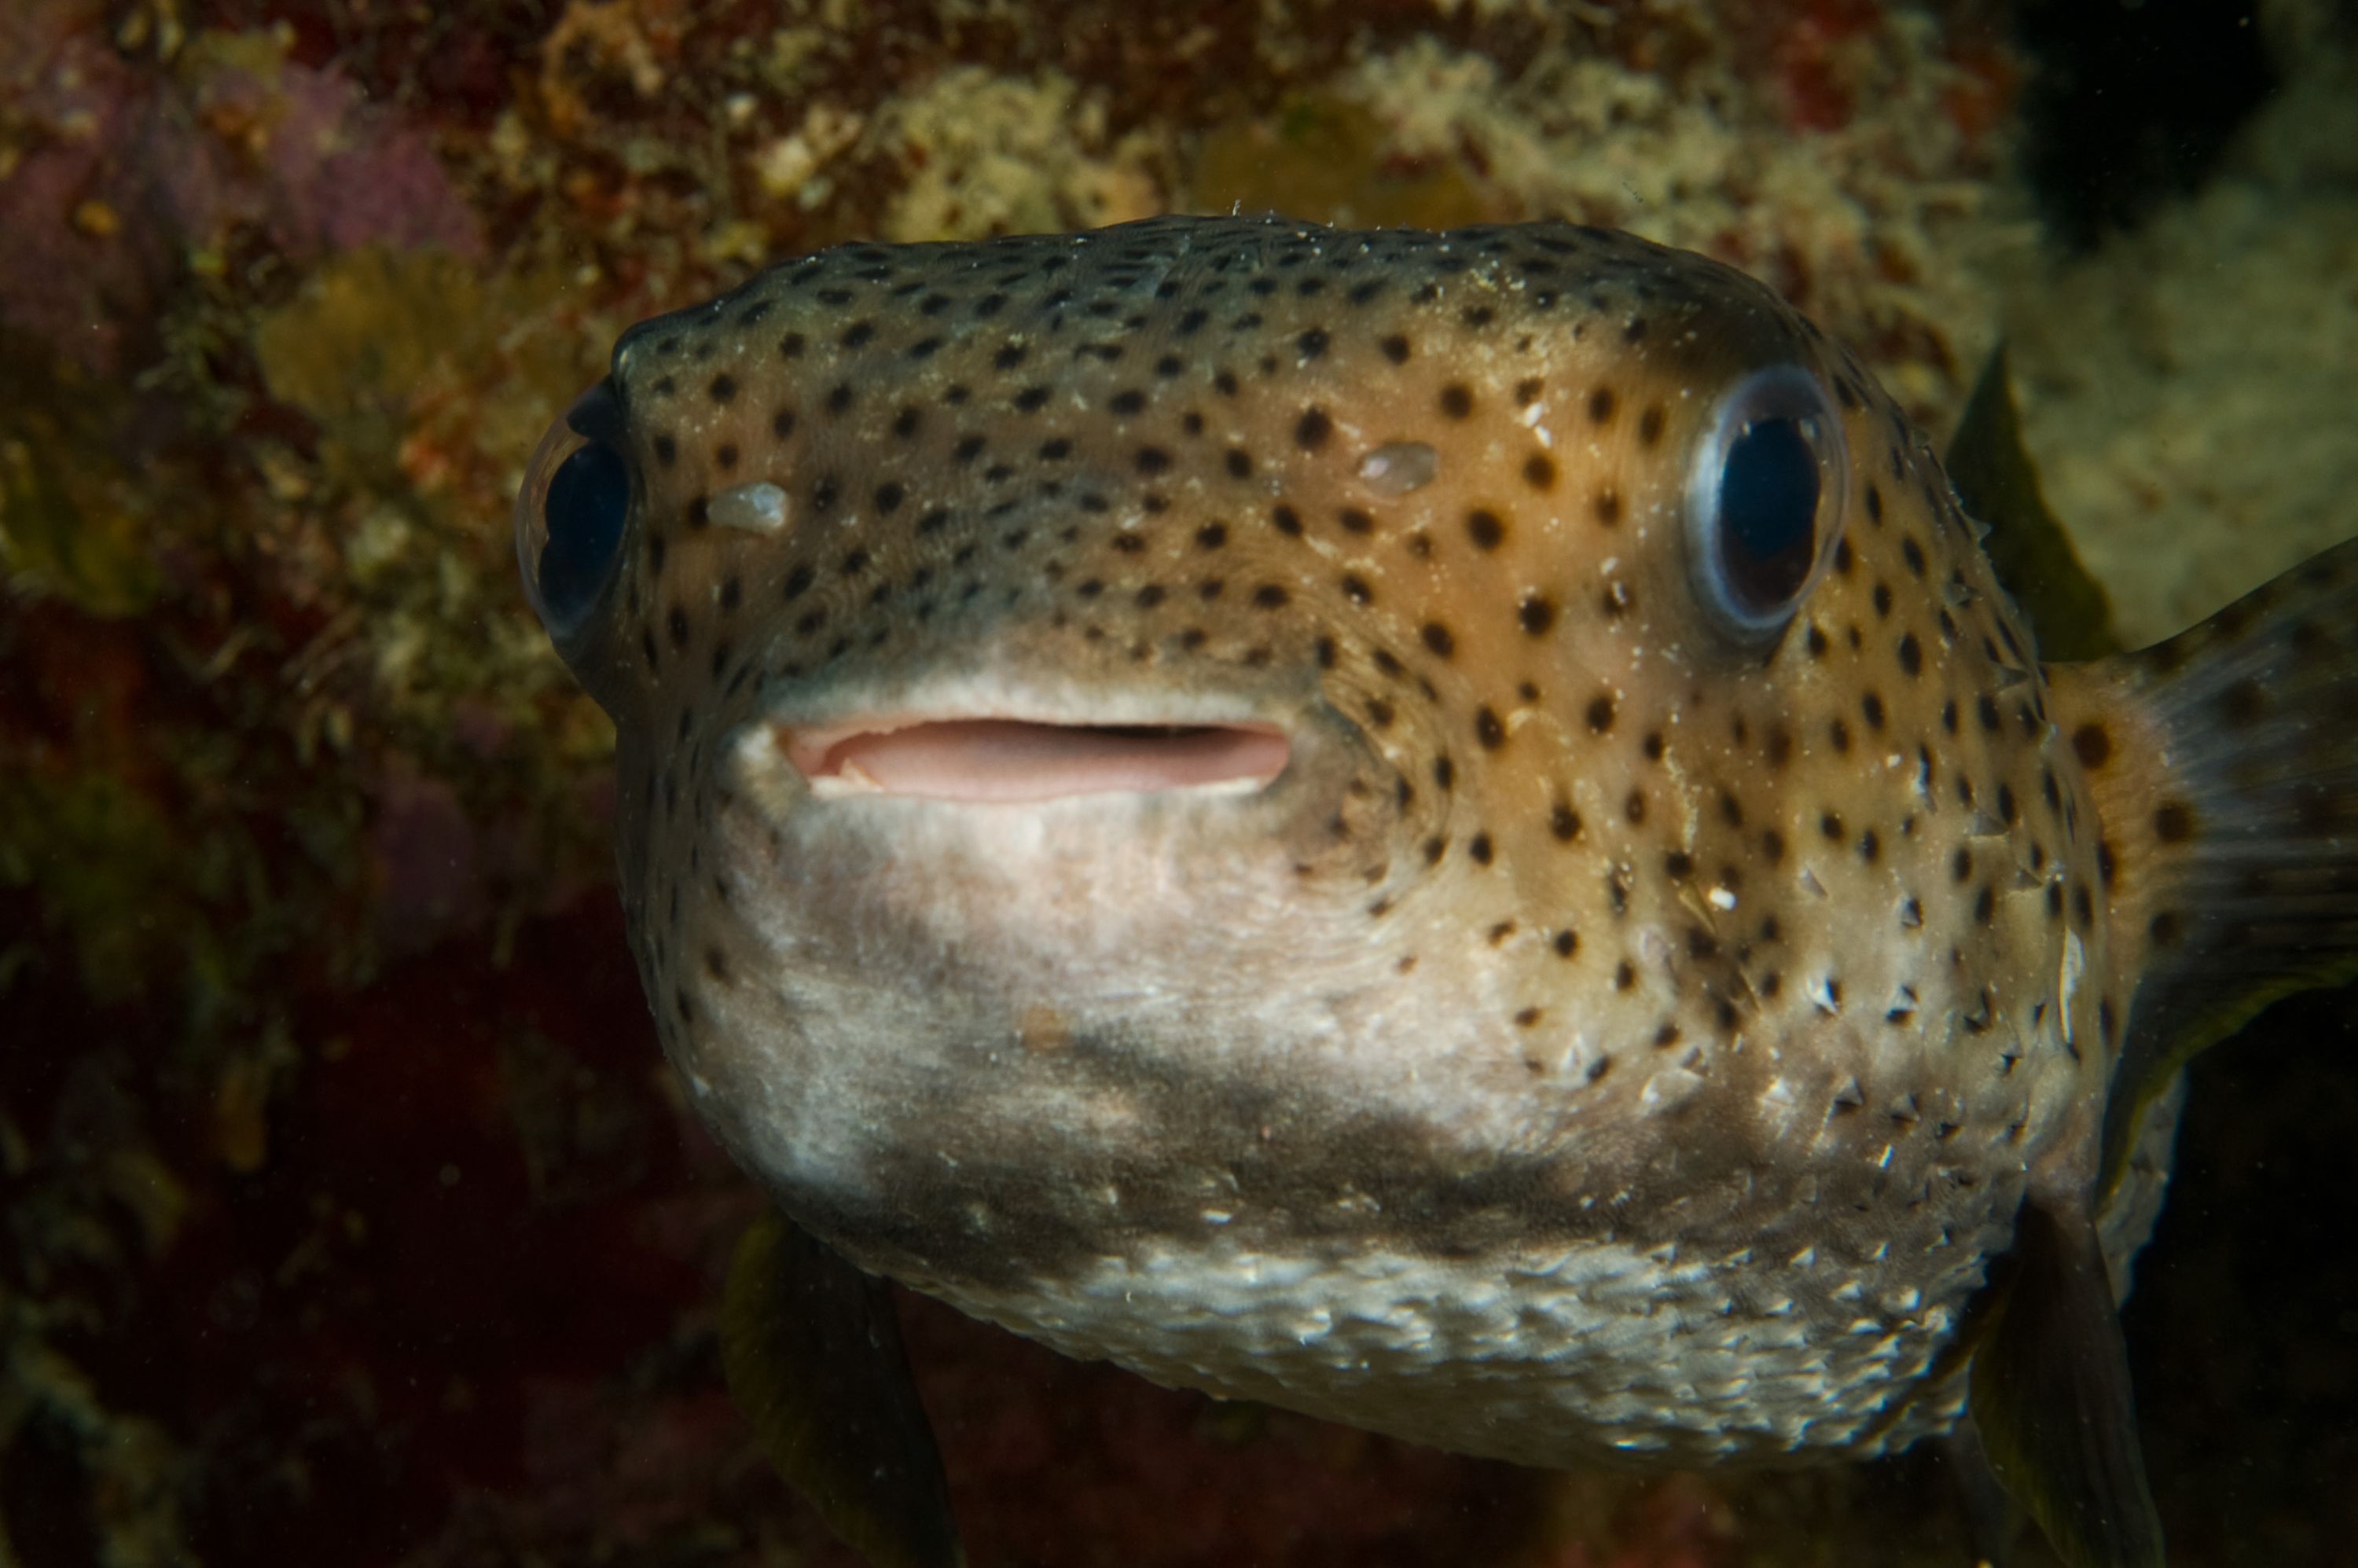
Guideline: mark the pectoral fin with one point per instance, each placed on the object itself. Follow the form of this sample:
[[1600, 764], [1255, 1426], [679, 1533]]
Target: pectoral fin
[[813, 1355], [2028, 547], [1992, 1519], [2051, 1396]]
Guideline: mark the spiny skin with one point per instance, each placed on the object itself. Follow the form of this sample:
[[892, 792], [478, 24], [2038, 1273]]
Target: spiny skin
[[1607, 1037]]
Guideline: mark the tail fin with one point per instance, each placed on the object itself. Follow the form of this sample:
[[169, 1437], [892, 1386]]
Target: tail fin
[[2224, 763]]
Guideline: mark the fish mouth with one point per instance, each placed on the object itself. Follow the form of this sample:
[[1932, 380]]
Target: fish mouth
[[1005, 760]]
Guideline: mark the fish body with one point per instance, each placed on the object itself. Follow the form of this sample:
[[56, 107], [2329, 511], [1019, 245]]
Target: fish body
[[1449, 831]]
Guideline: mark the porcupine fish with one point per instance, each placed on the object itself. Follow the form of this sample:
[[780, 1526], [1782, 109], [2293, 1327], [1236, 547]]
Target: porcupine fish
[[1445, 830]]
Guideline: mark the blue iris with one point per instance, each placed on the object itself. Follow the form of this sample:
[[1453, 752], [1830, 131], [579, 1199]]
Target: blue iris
[[1766, 489], [1768, 514], [588, 499]]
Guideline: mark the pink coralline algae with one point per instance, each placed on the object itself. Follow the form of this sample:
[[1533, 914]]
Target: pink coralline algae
[[131, 176]]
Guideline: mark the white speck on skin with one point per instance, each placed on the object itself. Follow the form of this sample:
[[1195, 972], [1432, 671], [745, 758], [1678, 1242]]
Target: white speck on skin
[[1397, 468], [757, 508], [2067, 979]]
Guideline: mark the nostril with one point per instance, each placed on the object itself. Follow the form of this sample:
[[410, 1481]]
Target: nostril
[[1010, 760]]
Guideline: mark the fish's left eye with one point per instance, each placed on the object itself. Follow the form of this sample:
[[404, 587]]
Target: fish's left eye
[[570, 515], [1764, 502]]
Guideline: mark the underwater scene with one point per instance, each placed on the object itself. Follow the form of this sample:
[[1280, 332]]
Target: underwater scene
[[395, 955]]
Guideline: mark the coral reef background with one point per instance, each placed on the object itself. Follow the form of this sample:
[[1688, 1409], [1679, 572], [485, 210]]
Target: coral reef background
[[350, 1214]]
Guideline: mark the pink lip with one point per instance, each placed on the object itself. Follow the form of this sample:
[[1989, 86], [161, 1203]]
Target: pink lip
[[1016, 760]]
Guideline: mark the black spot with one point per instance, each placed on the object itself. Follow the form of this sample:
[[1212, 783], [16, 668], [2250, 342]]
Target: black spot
[[1456, 401], [2174, 822], [2241, 704], [1539, 471], [1312, 343], [1485, 529], [1600, 406], [1310, 431], [1536, 614], [1649, 425], [1395, 349], [2093, 743], [1487, 729], [1439, 638], [1600, 714]]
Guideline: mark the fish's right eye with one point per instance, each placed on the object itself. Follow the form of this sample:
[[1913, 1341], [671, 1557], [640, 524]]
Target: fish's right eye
[[1764, 501], [572, 512]]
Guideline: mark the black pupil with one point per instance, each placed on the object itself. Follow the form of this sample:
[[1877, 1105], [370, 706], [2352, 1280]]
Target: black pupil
[[589, 497], [1769, 512]]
